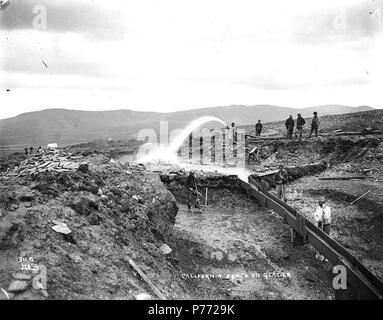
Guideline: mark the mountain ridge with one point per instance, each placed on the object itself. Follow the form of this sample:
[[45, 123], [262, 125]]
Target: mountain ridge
[[66, 126]]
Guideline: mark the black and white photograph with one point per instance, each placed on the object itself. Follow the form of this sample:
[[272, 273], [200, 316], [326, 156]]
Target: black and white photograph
[[177, 150]]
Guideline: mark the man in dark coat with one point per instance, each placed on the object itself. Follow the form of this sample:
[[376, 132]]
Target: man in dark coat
[[300, 123], [289, 127], [258, 128], [314, 125], [191, 185], [280, 180]]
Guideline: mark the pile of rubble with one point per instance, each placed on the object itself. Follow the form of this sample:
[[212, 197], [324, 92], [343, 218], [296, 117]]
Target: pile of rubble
[[49, 160]]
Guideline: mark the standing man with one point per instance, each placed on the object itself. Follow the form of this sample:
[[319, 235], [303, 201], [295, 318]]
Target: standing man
[[258, 128], [322, 216], [289, 127], [314, 125], [280, 179], [300, 123], [233, 128], [235, 139], [191, 185], [30, 150]]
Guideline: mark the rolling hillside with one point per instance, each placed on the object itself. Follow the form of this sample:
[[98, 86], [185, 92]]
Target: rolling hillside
[[71, 126]]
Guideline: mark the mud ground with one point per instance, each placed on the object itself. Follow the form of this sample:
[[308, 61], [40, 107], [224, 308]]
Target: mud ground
[[242, 242]]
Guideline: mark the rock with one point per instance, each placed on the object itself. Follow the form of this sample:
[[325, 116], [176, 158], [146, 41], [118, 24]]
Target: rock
[[21, 276], [94, 250], [14, 207], [61, 227], [75, 258], [18, 286], [94, 219], [83, 167], [84, 205], [143, 296], [26, 197], [47, 189], [137, 198], [44, 293], [165, 249]]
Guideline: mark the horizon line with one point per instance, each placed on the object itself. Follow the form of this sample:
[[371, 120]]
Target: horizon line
[[192, 109]]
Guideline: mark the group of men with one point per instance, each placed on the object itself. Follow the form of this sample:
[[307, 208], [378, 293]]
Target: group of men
[[290, 124], [30, 151]]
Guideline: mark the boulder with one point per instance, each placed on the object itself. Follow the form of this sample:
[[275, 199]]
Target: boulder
[[21, 276], [85, 204], [18, 286], [83, 167]]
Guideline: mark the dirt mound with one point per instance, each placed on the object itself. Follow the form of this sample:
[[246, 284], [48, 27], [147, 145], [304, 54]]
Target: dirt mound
[[111, 148], [345, 149], [113, 212]]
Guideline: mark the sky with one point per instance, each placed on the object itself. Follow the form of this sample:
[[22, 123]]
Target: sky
[[170, 55]]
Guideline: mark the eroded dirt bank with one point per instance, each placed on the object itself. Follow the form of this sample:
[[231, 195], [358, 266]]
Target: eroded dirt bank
[[243, 242], [113, 212]]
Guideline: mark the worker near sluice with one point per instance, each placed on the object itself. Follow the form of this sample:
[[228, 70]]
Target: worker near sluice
[[191, 185], [280, 179], [322, 216]]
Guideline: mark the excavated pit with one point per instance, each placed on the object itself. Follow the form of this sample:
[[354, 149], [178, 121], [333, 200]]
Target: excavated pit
[[358, 227], [356, 203], [241, 250]]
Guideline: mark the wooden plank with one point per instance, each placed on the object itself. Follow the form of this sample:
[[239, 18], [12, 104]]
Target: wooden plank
[[146, 279], [343, 178], [355, 279], [358, 276]]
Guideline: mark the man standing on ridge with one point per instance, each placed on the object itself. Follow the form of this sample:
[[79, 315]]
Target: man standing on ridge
[[258, 128], [300, 123], [314, 125], [289, 127]]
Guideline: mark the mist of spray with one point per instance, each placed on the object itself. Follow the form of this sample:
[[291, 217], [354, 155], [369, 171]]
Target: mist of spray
[[155, 153]]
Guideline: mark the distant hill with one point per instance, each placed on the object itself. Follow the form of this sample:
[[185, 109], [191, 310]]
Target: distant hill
[[72, 126]]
